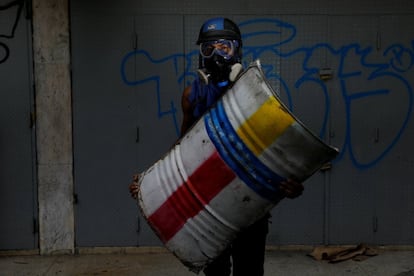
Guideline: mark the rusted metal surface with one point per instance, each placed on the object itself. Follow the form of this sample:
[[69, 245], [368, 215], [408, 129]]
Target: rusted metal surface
[[225, 173]]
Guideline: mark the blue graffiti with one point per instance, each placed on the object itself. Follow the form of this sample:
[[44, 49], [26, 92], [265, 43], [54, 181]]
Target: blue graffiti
[[274, 37], [153, 78]]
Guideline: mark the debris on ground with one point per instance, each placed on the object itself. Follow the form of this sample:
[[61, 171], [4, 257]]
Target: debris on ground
[[334, 254]]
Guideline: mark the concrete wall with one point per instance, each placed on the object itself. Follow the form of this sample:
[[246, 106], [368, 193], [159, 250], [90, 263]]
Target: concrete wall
[[53, 125]]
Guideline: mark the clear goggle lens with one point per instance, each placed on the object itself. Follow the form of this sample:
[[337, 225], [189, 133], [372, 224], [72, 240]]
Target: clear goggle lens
[[222, 47]]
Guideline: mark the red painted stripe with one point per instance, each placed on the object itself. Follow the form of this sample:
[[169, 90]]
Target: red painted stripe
[[189, 199]]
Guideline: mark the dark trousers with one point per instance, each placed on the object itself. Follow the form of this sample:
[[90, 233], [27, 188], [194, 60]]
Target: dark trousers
[[247, 253]]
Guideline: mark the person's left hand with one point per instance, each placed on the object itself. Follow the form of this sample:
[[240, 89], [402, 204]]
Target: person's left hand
[[133, 187], [291, 188]]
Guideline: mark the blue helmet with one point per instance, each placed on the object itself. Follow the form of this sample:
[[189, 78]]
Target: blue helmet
[[219, 28]]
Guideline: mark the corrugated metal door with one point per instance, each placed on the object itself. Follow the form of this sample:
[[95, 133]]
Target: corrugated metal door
[[157, 84], [394, 133], [18, 204], [126, 102], [348, 78], [105, 111], [351, 194], [372, 124], [306, 95]]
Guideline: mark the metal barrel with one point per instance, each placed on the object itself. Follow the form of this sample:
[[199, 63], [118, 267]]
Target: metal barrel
[[224, 174]]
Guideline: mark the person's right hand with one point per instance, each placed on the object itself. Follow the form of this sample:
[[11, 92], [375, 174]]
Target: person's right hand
[[133, 187]]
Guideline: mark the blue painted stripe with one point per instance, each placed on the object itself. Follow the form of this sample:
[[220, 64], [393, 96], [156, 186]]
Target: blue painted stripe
[[239, 157]]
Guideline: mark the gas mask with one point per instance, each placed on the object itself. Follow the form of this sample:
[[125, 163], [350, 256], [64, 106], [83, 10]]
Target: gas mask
[[219, 62]]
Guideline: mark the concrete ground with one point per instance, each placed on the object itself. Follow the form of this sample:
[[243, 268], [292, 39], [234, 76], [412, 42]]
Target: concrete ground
[[159, 262]]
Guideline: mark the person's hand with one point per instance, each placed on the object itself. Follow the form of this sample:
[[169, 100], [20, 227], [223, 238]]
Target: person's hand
[[133, 187], [291, 188]]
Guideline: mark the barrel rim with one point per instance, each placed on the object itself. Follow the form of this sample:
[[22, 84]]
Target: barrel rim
[[257, 65]]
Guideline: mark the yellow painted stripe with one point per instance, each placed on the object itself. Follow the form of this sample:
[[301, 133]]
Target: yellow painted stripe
[[268, 122]]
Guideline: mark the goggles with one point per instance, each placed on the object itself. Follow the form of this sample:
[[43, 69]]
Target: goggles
[[222, 47]]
